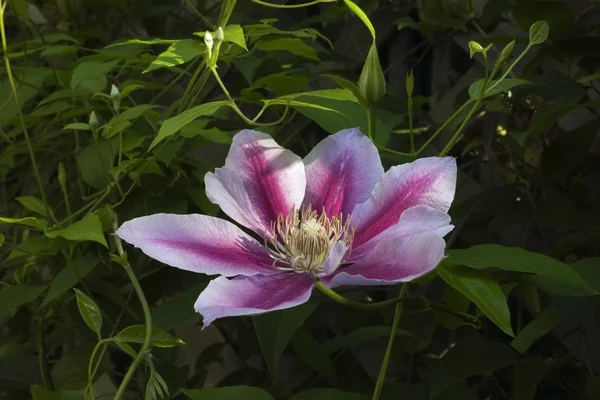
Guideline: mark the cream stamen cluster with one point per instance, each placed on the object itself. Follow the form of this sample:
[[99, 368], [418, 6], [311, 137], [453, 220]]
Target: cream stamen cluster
[[302, 240]]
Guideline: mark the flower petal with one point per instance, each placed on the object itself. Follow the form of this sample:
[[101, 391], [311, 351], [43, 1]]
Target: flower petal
[[341, 172], [197, 243], [393, 260], [252, 295], [334, 258], [260, 180], [427, 182], [414, 221]]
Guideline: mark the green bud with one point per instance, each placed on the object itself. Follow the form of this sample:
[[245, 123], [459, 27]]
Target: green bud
[[475, 47], [115, 97], [371, 83], [93, 120], [410, 83], [208, 40], [62, 177], [219, 35]]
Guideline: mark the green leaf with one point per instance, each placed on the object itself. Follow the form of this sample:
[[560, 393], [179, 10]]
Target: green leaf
[[276, 329], [235, 34], [541, 325], [178, 309], [360, 335], [137, 333], [70, 276], [472, 355], [2, 238], [228, 393], [361, 14], [90, 76], [538, 33], [172, 125], [79, 126], [331, 94], [328, 394], [70, 370], [32, 222], [349, 85], [311, 352], [16, 295], [515, 259], [527, 375], [39, 393], [32, 203], [87, 229], [482, 290], [95, 160], [146, 42], [178, 53], [90, 312], [293, 45]]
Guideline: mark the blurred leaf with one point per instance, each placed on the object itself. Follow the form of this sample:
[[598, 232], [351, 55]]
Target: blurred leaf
[[228, 393], [16, 295], [541, 325], [472, 355], [515, 259], [178, 309], [89, 228], [328, 394], [173, 125], [181, 51], [32, 222], [528, 374], [78, 126], [95, 160], [142, 41], [89, 312], [71, 370], [137, 333], [90, 76], [311, 352], [276, 329], [360, 335], [293, 45], [69, 276], [501, 86], [482, 290], [33, 204], [39, 393]]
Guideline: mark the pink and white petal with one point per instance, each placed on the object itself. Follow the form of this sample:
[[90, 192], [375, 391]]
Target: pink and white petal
[[197, 243], [272, 180], [414, 221], [252, 295], [226, 188], [341, 172], [426, 182], [334, 258], [392, 261]]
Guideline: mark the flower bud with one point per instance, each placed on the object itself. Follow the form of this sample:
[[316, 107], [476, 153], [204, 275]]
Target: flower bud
[[93, 120], [219, 35], [115, 97], [371, 83], [208, 40]]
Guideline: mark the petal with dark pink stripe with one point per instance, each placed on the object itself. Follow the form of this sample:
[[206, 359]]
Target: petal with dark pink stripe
[[197, 243], [341, 172], [392, 261], [427, 182], [414, 221], [252, 295], [261, 178]]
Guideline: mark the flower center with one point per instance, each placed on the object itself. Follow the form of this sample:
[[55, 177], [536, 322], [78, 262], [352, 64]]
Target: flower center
[[302, 241]]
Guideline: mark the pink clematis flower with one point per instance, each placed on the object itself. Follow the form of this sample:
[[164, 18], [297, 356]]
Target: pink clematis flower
[[335, 216]]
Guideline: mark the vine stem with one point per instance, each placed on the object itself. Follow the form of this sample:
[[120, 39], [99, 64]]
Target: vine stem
[[13, 87], [388, 350], [147, 317], [355, 304]]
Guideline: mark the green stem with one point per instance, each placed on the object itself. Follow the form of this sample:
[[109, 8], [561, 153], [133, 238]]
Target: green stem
[[372, 123], [511, 66], [388, 350], [91, 373], [311, 3], [13, 87], [42, 359], [410, 125], [444, 125], [355, 304], [147, 317]]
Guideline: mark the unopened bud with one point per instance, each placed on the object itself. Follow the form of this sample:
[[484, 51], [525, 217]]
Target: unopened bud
[[208, 40], [372, 81], [115, 96], [93, 120], [219, 35]]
